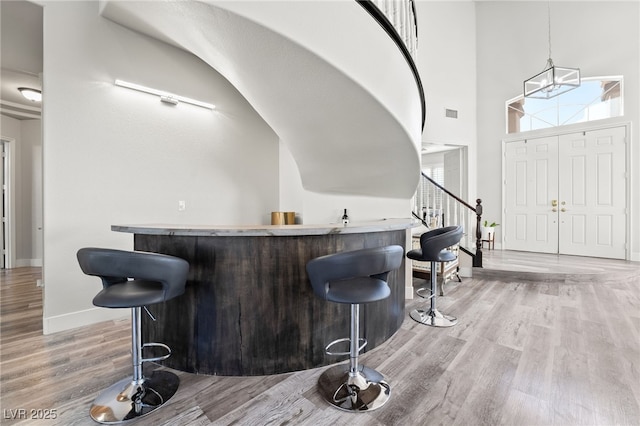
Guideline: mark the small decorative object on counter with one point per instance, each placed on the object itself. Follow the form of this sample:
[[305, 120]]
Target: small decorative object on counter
[[277, 218], [345, 218], [289, 218], [283, 218]]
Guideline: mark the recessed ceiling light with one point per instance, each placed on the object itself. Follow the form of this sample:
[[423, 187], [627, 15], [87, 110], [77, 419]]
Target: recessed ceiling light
[[34, 95]]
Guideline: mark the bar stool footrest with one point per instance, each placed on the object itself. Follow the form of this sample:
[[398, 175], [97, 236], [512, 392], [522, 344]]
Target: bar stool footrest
[[421, 292], [157, 358], [361, 340]]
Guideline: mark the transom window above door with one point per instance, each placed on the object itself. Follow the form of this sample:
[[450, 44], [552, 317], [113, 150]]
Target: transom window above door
[[596, 98]]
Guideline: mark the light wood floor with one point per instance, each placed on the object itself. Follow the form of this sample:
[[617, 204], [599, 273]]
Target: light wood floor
[[525, 352], [550, 266]]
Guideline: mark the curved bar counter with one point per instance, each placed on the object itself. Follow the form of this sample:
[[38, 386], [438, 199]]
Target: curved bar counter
[[249, 308]]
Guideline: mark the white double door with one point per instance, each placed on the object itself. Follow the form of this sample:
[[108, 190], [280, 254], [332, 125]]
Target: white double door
[[567, 194]]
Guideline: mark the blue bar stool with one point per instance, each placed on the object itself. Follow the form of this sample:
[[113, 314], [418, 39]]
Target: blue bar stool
[[134, 280], [354, 277], [433, 248]]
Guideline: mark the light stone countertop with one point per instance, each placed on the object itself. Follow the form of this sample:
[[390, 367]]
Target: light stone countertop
[[268, 230]]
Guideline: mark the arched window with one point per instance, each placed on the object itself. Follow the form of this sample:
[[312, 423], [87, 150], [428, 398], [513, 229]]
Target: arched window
[[596, 98]]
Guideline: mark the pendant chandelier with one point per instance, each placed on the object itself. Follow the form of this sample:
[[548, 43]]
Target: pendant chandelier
[[554, 80]]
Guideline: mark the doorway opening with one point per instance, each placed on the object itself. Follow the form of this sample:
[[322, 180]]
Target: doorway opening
[[7, 234]]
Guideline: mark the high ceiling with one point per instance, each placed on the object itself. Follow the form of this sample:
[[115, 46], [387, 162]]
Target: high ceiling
[[21, 57]]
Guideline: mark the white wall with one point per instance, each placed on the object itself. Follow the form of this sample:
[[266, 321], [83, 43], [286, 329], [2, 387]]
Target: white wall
[[316, 208], [27, 191], [291, 191], [116, 156], [342, 99], [9, 127], [447, 61], [323, 208], [29, 195], [600, 37]]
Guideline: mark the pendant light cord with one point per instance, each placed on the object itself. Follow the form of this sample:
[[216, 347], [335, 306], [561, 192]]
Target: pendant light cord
[[549, 24]]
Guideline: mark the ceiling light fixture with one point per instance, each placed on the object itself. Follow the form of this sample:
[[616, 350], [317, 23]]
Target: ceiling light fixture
[[34, 95], [554, 80], [164, 96]]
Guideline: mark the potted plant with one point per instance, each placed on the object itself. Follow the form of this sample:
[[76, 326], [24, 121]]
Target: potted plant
[[488, 230]]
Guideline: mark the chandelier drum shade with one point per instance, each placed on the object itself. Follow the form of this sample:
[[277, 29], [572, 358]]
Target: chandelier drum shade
[[554, 80]]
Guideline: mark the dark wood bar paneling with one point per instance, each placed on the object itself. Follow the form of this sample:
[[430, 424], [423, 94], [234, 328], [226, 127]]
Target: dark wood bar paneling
[[249, 308]]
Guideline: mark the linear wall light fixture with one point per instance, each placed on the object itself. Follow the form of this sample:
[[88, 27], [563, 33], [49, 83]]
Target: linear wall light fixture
[[164, 96]]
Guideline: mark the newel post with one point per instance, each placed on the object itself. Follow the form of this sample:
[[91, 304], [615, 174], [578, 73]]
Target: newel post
[[477, 259]]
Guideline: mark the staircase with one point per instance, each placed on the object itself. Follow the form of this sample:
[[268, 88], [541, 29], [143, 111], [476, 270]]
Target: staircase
[[349, 105], [345, 103], [436, 207]]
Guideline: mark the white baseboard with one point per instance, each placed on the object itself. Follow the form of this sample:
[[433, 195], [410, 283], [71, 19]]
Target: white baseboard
[[72, 320], [408, 293], [21, 263], [465, 271]]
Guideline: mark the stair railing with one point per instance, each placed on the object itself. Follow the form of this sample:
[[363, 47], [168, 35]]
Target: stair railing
[[436, 207], [402, 15], [398, 18]]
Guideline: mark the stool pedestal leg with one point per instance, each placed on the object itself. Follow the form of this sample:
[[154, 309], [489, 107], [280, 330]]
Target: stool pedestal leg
[[433, 317], [354, 387], [137, 395]]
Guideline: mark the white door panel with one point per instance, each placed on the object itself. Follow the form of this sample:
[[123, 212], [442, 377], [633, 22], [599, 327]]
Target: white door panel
[[531, 170], [567, 194], [592, 191]]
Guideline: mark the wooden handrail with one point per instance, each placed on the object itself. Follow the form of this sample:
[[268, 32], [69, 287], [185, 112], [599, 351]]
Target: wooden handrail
[[449, 193], [417, 216], [384, 22], [477, 256]]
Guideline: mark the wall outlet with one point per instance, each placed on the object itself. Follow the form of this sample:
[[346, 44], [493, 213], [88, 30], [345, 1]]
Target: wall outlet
[[182, 205]]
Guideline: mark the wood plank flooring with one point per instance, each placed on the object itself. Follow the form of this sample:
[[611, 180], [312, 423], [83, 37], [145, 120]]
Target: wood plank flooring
[[525, 352], [21, 304], [542, 266]]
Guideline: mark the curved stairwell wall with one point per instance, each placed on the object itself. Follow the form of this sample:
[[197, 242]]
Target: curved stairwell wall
[[326, 78]]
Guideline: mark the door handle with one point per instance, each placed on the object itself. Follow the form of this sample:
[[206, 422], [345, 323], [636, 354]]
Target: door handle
[[554, 210], [563, 210], [554, 203]]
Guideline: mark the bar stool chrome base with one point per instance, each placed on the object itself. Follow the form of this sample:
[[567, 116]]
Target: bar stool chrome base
[[365, 391], [433, 317], [128, 400]]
